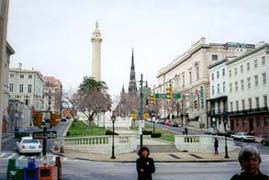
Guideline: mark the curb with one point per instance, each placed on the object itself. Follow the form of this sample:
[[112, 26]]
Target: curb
[[67, 128]]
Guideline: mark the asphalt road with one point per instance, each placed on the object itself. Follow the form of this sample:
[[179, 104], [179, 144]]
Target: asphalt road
[[85, 170], [9, 146]]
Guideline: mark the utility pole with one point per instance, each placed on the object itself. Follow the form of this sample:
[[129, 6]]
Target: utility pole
[[141, 110], [4, 4]]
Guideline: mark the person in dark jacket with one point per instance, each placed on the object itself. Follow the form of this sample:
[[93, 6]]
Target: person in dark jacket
[[144, 164], [250, 159], [216, 146]]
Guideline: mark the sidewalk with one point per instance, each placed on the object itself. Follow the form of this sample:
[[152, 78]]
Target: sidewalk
[[158, 157], [6, 137]]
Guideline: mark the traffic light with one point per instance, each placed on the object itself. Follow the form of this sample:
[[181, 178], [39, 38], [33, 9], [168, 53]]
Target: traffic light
[[195, 104], [169, 92], [152, 99], [147, 102]]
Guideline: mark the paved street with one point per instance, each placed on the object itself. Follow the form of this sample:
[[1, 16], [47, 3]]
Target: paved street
[[85, 170], [9, 146]]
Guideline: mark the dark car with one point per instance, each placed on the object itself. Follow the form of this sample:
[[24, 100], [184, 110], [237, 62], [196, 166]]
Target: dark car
[[20, 132], [265, 141], [63, 119]]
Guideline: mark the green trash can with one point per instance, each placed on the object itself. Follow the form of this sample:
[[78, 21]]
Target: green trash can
[[14, 172]]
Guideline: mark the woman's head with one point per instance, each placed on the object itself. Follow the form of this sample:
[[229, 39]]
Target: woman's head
[[143, 152], [250, 159]]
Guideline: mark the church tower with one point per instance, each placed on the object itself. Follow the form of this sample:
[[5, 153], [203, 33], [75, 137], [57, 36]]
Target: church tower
[[132, 83], [96, 53]]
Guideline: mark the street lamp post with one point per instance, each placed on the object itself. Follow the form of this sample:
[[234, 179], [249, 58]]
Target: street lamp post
[[141, 110], [113, 118], [226, 147]]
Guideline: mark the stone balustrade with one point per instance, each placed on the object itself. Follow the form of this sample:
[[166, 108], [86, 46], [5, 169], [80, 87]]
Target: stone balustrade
[[100, 144], [202, 143]]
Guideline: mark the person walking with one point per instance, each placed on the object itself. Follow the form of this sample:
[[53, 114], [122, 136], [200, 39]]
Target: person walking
[[186, 130], [216, 145], [250, 159], [144, 164]]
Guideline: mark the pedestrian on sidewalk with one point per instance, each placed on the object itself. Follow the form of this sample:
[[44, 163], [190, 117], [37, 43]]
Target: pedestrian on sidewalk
[[250, 159], [186, 130], [216, 145], [144, 164]]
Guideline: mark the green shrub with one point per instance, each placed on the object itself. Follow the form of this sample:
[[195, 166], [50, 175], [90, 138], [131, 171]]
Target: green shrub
[[109, 132], [156, 135]]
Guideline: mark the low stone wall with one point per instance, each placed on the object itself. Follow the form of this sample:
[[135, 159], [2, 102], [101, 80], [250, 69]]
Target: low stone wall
[[101, 144], [202, 143]]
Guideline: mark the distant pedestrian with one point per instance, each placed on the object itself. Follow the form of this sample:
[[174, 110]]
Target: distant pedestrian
[[144, 164], [216, 145], [250, 159], [186, 130]]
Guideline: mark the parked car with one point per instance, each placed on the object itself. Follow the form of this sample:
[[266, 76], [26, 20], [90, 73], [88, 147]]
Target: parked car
[[63, 119], [167, 122], [211, 131], [175, 124], [243, 136], [20, 132], [265, 141], [28, 145]]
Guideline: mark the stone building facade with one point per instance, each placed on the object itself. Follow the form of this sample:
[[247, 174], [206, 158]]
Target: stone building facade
[[188, 75], [27, 86], [52, 94], [248, 91]]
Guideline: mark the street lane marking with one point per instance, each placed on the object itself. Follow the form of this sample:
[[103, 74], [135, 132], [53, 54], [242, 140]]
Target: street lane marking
[[11, 156]]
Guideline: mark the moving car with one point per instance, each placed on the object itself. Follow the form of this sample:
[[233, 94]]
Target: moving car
[[265, 141], [243, 136], [20, 132], [28, 145]]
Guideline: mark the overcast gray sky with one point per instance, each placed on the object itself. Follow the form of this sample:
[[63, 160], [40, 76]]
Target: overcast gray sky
[[53, 36]]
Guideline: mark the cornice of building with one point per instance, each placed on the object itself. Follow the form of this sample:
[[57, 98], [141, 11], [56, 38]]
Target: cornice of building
[[259, 48], [18, 70]]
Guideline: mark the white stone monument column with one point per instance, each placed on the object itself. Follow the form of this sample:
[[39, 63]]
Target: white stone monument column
[[96, 53], [3, 39]]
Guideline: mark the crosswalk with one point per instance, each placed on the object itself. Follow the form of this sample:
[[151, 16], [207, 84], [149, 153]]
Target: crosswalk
[[50, 157]]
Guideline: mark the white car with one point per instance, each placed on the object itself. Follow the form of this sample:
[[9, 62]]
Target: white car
[[243, 136], [29, 145]]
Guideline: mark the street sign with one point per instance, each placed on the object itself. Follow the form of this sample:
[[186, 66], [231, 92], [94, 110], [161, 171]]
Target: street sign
[[176, 96], [163, 96], [160, 96], [45, 135]]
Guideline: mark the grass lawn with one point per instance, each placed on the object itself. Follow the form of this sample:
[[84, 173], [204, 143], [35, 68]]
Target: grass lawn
[[166, 135], [78, 128]]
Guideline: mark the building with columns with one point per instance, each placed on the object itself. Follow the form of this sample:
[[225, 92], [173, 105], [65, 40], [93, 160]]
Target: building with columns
[[248, 91], [96, 53], [188, 75], [52, 94]]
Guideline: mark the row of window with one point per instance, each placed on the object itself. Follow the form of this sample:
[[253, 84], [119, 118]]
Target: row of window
[[242, 83], [243, 103], [258, 122], [21, 88], [181, 78], [236, 84], [255, 65], [218, 74], [30, 76]]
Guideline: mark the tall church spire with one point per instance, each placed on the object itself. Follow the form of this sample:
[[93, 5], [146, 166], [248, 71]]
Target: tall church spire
[[132, 83]]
